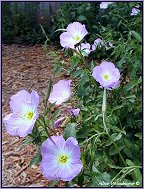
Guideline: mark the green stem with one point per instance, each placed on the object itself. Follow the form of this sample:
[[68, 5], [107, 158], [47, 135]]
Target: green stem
[[116, 147], [105, 127], [46, 126], [66, 184], [104, 110]]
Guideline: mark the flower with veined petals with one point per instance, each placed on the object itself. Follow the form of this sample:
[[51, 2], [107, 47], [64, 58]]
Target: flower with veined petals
[[107, 75], [61, 92], [104, 5], [60, 158], [135, 11], [24, 113], [84, 48], [75, 32]]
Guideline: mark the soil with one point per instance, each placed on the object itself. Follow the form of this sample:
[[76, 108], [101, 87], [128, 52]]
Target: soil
[[24, 67]]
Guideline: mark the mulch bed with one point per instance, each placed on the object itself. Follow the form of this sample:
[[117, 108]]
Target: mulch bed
[[28, 68]]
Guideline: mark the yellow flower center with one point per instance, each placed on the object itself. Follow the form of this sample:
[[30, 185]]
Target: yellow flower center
[[63, 159], [77, 38], [29, 115], [106, 77]]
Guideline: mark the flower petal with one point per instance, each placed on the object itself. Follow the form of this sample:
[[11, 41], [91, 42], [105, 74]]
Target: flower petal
[[67, 41], [61, 92], [34, 97], [50, 145], [17, 126], [50, 169], [16, 100]]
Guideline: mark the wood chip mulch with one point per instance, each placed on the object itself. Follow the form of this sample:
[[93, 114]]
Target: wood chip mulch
[[28, 68]]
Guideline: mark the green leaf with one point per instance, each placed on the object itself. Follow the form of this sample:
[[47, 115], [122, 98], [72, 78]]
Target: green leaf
[[132, 84], [83, 53], [60, 30], [37, 159], [136, 173], [81, 18], [57, 68], [44, 33], [117, 107], [77, 73], [136, 35], [115, 136], [130, 96], [48, 91], [70, 130], [53, 183], [84, 79], [94, 169], [27, 140], [139, 135], [56, 114], [113, 151], [74, 62], [80, 179]]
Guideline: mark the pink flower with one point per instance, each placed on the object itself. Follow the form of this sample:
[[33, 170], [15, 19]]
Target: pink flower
[[24, 113], [104, 5], [75, 32], [60, 158], [84, 48], [135, 11], [107, 75], [61, 92], [75, 111]]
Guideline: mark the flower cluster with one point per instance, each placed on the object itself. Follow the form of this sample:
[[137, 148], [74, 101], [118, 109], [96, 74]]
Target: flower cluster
[[74, 34], [135, 11], [106, 74], [60, 158]]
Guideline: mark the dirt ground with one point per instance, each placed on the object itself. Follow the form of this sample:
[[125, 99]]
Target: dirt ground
[[28, 68]]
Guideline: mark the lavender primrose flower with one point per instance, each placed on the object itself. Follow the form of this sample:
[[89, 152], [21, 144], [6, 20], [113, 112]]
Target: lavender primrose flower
[[61, 92], [75, 32], [60, 158], [98, 42], [75, 111], [104, 5], [107, 75], [84, 48], [135, 11], [24, 113]]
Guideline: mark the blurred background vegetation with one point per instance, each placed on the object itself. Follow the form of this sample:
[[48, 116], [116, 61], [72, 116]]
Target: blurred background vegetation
[[21, 20]]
